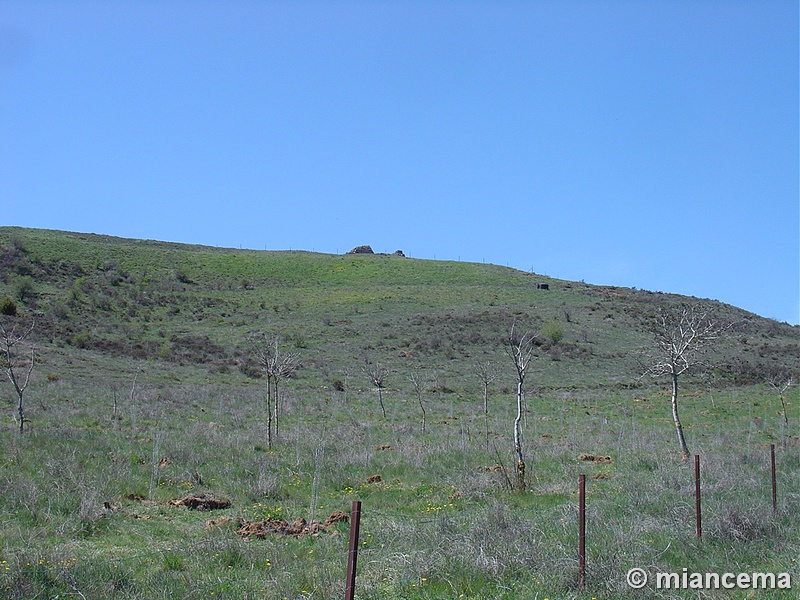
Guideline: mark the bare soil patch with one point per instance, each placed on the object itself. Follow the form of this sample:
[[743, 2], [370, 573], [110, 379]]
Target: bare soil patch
[[494, 468], [297, 528], [201, 502], [595, 459]]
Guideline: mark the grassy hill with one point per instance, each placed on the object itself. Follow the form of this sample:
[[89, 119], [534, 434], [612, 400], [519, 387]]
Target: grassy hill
[[193, 305], [147, 389]]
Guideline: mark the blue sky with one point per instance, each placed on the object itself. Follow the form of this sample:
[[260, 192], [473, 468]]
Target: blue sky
[[643, 143]]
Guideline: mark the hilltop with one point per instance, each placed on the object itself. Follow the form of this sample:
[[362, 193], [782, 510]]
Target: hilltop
[[187, 307]]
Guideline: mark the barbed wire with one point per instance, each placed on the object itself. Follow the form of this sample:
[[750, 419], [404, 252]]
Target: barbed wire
[[38, 567]]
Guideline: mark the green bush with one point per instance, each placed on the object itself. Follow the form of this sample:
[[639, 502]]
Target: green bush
[[553, 330], [24, 288], [8, 307]]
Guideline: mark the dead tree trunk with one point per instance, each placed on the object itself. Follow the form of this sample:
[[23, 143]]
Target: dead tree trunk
[[680, 333], [276, 365], [676, 418], [781, 382], [518, 439], [487, 375], [520, 349], [277, 405], [15, 366], [418, 380], [269, 412], [380, 401], [377, 375], [287, 365]]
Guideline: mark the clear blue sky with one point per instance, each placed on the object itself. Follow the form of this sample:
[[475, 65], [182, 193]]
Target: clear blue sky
[[636, 143]]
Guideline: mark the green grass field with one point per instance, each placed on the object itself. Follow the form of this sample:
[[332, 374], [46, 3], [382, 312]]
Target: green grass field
[[145, 392]]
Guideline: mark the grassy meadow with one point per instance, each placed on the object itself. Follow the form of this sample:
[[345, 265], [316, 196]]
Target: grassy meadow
[[146, 391]]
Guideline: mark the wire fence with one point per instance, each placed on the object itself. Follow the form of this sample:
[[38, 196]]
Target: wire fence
[[33, 565]]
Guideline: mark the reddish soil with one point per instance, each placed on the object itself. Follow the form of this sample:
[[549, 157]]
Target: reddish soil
[[201, 502], [595, 459], [297, 528]]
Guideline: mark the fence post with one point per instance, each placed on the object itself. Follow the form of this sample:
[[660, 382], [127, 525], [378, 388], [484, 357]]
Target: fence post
[[581, 531], [698, 526], [774, 481], [352, 553]]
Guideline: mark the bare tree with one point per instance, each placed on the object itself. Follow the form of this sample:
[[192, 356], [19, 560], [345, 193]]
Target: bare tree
[[18, 365], [487, 374], [287, 364], [264, 347], [680, 336], [781, 382], [520, 350], [133, 400], [277, 365], [418, 381], [377, 374]]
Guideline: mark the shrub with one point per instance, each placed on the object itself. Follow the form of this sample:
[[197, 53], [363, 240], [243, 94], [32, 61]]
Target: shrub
[[8, 307], [553, 330], [24, 288], [182, 276], [81, 340]]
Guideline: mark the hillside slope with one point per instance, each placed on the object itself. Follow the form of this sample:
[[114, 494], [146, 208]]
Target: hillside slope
[[100, 302]]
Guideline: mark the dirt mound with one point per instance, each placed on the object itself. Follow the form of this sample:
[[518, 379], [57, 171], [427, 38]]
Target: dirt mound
[[111, 507], [201, 502], [217, 523], [336, 516], [595, 459], [496, 467], [140, 500], [374, 479], [297, 528]]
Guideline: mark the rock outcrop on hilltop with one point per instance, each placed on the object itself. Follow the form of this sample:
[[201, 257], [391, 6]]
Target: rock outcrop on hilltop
[[361, 250]]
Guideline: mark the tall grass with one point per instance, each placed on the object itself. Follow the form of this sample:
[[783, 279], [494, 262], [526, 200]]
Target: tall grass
[[77, 517]]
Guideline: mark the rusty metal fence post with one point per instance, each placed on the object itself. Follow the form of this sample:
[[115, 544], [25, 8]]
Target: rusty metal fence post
[[774, 480], [352, 553], [581, 531], [698, 525]]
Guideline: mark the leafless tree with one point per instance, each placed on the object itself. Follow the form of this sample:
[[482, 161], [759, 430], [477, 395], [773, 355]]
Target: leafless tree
[[680, 334], [418, 381], [264, 348], [520, 349], [781, 382], [133, 399], [287, 365], [277, 364], [487, 374], [377, 374], [18, 364]]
